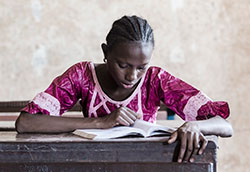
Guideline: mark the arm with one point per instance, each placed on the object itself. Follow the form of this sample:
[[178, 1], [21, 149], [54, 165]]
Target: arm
[[192, 133], [40, 123], [204, 116], [215, 126]]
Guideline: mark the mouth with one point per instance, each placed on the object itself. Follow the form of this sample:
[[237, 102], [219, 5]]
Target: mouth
[[125, 85]]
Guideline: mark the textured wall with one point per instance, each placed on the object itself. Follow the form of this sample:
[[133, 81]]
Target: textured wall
[[206, 43]]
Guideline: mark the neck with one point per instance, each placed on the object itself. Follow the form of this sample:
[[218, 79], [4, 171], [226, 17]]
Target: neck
[[109, 86]]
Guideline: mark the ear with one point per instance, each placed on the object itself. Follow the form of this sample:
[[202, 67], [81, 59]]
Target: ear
[[104, 50]]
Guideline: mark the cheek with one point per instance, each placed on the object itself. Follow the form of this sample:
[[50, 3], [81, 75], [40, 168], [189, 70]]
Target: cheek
[[140, 74], [116, 72], [112, 68]]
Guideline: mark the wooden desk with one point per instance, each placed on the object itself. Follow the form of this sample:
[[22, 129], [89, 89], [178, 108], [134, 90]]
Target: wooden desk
[[67, 152]]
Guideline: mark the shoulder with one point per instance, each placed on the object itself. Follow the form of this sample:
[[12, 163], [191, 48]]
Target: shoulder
[[78, 72], [76, 77], [159, 78], [156, 73], [79, 69], [84, 65]]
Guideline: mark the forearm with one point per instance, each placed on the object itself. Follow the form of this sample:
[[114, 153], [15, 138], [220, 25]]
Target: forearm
[[36, 123], [215, 126]]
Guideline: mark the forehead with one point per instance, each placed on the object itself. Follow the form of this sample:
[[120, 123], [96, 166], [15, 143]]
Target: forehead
[[136, 52]]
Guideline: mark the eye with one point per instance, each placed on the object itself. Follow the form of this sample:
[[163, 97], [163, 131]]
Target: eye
[[122, 65], [141, 68]]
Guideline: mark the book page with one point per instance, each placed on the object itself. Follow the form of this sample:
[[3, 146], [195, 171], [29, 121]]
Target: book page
[[115, 132], [139, 128], [152, 129]]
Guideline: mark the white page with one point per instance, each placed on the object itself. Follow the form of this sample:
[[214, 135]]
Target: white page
[[150, 127], [114, 132], [140, 127]]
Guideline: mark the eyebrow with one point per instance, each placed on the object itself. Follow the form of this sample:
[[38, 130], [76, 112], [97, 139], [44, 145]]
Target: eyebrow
[[130, 64], [144, 64]]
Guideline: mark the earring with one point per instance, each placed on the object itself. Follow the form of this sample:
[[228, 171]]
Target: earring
[[105, 60]]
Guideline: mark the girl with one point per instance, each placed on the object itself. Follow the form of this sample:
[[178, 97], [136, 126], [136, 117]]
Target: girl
[[124, 88]]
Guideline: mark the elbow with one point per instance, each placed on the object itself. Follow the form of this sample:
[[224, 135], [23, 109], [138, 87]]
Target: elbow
[[228, 132], [224, 129], [21, 124]]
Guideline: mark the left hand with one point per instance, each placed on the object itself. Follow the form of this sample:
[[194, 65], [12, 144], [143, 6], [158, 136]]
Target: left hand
[[190, 137]]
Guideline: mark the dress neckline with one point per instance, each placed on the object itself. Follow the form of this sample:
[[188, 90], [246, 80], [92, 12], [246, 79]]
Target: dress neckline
[[100, 90]]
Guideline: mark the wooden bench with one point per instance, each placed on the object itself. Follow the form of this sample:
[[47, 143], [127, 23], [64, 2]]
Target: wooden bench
[[16, 106]]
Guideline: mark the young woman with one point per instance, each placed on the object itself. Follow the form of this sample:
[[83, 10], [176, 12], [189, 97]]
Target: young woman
[[124, 88]]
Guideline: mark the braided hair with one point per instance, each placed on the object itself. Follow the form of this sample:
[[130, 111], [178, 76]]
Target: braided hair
[[130, 28]]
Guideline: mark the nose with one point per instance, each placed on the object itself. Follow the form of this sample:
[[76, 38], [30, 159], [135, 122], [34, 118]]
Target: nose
[[131, 75]]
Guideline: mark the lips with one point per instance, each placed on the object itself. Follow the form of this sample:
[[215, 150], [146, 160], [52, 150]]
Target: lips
[[125, 85]]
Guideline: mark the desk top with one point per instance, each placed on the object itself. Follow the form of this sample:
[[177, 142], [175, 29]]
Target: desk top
[[12, 136], [50, 151]]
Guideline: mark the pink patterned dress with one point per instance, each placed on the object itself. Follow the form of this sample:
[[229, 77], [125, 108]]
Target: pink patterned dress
[[80, 82]]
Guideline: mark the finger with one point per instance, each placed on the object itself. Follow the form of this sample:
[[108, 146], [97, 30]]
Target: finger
[[196, 147], [139, 116], [122, 121], [204, 144], [190, 144], [173, 137], [125, 115], [183, 147], [133, 114], [129, 114]]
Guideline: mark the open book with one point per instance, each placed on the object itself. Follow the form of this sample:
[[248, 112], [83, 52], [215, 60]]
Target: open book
[[139, 128]]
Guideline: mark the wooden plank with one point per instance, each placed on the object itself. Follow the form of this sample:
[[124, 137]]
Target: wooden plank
[[16, 106]]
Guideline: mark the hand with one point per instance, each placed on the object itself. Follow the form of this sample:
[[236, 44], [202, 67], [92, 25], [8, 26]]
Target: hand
[[120, 116], [190, 138]]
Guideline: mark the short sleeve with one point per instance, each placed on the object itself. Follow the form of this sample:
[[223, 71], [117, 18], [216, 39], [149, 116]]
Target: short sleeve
[[186, 101], [62, 94]]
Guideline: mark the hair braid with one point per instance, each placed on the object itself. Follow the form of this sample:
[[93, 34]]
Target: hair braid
[[130, 28]]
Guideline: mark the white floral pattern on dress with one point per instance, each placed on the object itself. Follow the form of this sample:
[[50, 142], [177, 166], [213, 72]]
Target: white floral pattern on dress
[[193, 105], [48, 102]]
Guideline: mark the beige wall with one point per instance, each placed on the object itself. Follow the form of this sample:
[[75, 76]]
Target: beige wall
[[206, 43]]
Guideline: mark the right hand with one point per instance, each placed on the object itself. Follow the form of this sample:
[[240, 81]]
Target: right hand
[[192, 141], [120, 116]]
